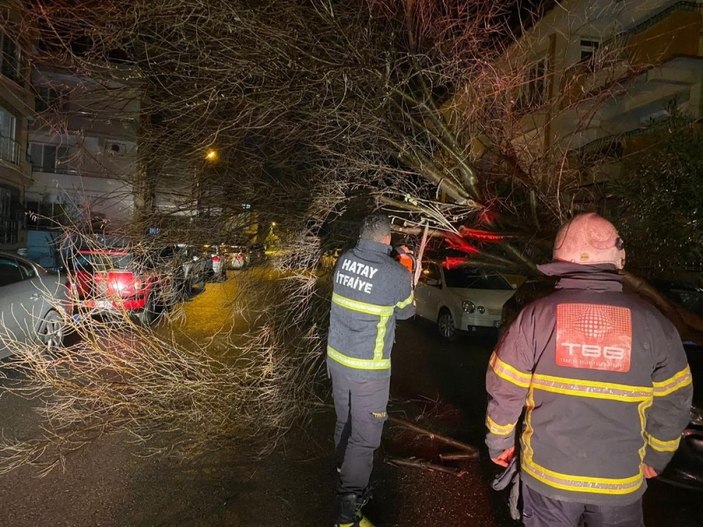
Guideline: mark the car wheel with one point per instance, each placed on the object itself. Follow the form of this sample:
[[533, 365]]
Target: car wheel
[[147, 315], [52, 331], [445, 325]]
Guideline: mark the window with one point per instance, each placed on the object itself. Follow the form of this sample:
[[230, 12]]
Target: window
[[44, 215], [430, 274], [9, 148], [49, 98], [49, 158], [475, 279], [535, 89], [10, 214], [10, 56], [588, 49]]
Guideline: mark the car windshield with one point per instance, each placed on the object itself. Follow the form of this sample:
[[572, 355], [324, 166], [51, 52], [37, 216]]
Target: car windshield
[[103, 261], [474, 279]]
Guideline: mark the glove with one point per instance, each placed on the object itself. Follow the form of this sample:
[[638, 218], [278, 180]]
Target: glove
[[502, 480], [510, 476], [504, 457]]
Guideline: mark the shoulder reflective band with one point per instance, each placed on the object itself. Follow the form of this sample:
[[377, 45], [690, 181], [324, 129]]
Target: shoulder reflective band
[[662, 446], [501, 430], [593, 389], [358, 364], [509, 373], [406, 302], [362, 307], [582, 483], [673, 383]]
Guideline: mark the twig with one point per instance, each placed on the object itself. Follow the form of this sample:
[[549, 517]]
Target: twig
[[417, 463], [459, 456], [473, 451]]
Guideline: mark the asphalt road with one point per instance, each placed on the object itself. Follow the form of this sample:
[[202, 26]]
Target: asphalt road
[[436, 385]]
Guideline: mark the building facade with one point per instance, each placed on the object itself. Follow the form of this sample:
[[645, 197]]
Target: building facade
[[16, 110], [603, 71]]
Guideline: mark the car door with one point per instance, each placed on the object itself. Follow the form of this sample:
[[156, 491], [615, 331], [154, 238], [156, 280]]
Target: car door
[[427, 291], [22, 301]]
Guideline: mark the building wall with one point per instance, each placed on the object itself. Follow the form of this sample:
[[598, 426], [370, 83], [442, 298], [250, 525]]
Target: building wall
[[16, 108], [649, 59], [83, 148]]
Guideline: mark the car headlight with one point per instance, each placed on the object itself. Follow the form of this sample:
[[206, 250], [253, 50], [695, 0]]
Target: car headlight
[[468, 306], [481, 309]]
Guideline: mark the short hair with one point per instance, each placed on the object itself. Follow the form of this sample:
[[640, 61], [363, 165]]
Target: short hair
[[375, 227]]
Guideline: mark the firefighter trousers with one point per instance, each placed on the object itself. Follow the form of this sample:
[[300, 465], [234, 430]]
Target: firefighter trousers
[[540, 511], [360, 404]]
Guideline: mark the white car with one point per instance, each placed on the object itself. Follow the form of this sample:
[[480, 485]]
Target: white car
[[33, 304], [462, 298]]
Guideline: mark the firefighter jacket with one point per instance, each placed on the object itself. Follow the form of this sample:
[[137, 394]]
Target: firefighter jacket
[[371, 291], [605, 384]]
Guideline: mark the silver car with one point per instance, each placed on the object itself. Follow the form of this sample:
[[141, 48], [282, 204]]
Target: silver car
[[33, 304], [461, 298]]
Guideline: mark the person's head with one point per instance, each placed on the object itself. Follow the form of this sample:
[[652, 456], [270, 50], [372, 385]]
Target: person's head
[[376, 227], [589, 239]]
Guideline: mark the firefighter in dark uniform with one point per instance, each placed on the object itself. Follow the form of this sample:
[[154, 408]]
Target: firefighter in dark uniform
[[605, 384], [371, 291]]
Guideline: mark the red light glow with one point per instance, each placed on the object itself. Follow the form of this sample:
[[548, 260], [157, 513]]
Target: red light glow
[[460, 244], [481, 235], [453, 262]]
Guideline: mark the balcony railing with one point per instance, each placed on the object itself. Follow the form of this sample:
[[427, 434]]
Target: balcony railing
[[674, 28], [9, 150]]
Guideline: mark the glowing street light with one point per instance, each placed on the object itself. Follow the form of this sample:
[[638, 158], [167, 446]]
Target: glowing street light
[[211, 155]]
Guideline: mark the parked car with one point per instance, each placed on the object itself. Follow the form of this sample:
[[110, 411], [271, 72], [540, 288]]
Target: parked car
[[215, 262], [134, 281], [462, 298], [187, 267], [686, 467], [34, 303], [236, 256], [257, 253], [195, 267]]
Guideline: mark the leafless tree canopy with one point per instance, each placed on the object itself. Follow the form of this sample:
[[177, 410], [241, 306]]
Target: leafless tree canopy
[[410, 104]]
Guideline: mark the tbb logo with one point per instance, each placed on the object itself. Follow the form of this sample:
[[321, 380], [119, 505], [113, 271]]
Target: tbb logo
[[594, 336]]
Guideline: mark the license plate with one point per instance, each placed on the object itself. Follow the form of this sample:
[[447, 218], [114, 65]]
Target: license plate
[[103, 304]]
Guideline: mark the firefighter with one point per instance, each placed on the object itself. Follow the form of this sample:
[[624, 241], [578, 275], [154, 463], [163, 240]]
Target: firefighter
[[371, 291], [604, 382]]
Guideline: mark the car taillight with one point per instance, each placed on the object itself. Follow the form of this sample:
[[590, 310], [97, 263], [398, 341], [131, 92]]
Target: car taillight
[[123, 284]]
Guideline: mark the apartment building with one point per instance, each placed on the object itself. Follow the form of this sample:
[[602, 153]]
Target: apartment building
[[82, 148], [603, 71], [16, 109]]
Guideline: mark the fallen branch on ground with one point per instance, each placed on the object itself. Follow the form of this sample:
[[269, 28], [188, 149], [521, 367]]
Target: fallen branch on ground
[[459, 456], [473, 451], [418, 463]]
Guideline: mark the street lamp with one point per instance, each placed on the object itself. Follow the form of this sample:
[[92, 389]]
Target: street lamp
[[211, 155]]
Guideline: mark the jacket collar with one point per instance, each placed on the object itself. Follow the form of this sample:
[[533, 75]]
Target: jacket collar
[[373, 246], [601, 277]]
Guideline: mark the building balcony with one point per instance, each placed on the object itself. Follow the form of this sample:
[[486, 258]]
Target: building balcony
[[665, 38]]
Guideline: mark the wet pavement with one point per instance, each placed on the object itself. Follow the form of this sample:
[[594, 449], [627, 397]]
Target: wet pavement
[[436, 385]]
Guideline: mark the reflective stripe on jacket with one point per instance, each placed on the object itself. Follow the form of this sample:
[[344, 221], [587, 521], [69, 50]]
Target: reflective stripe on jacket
[[371, 291], [605, 384]]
